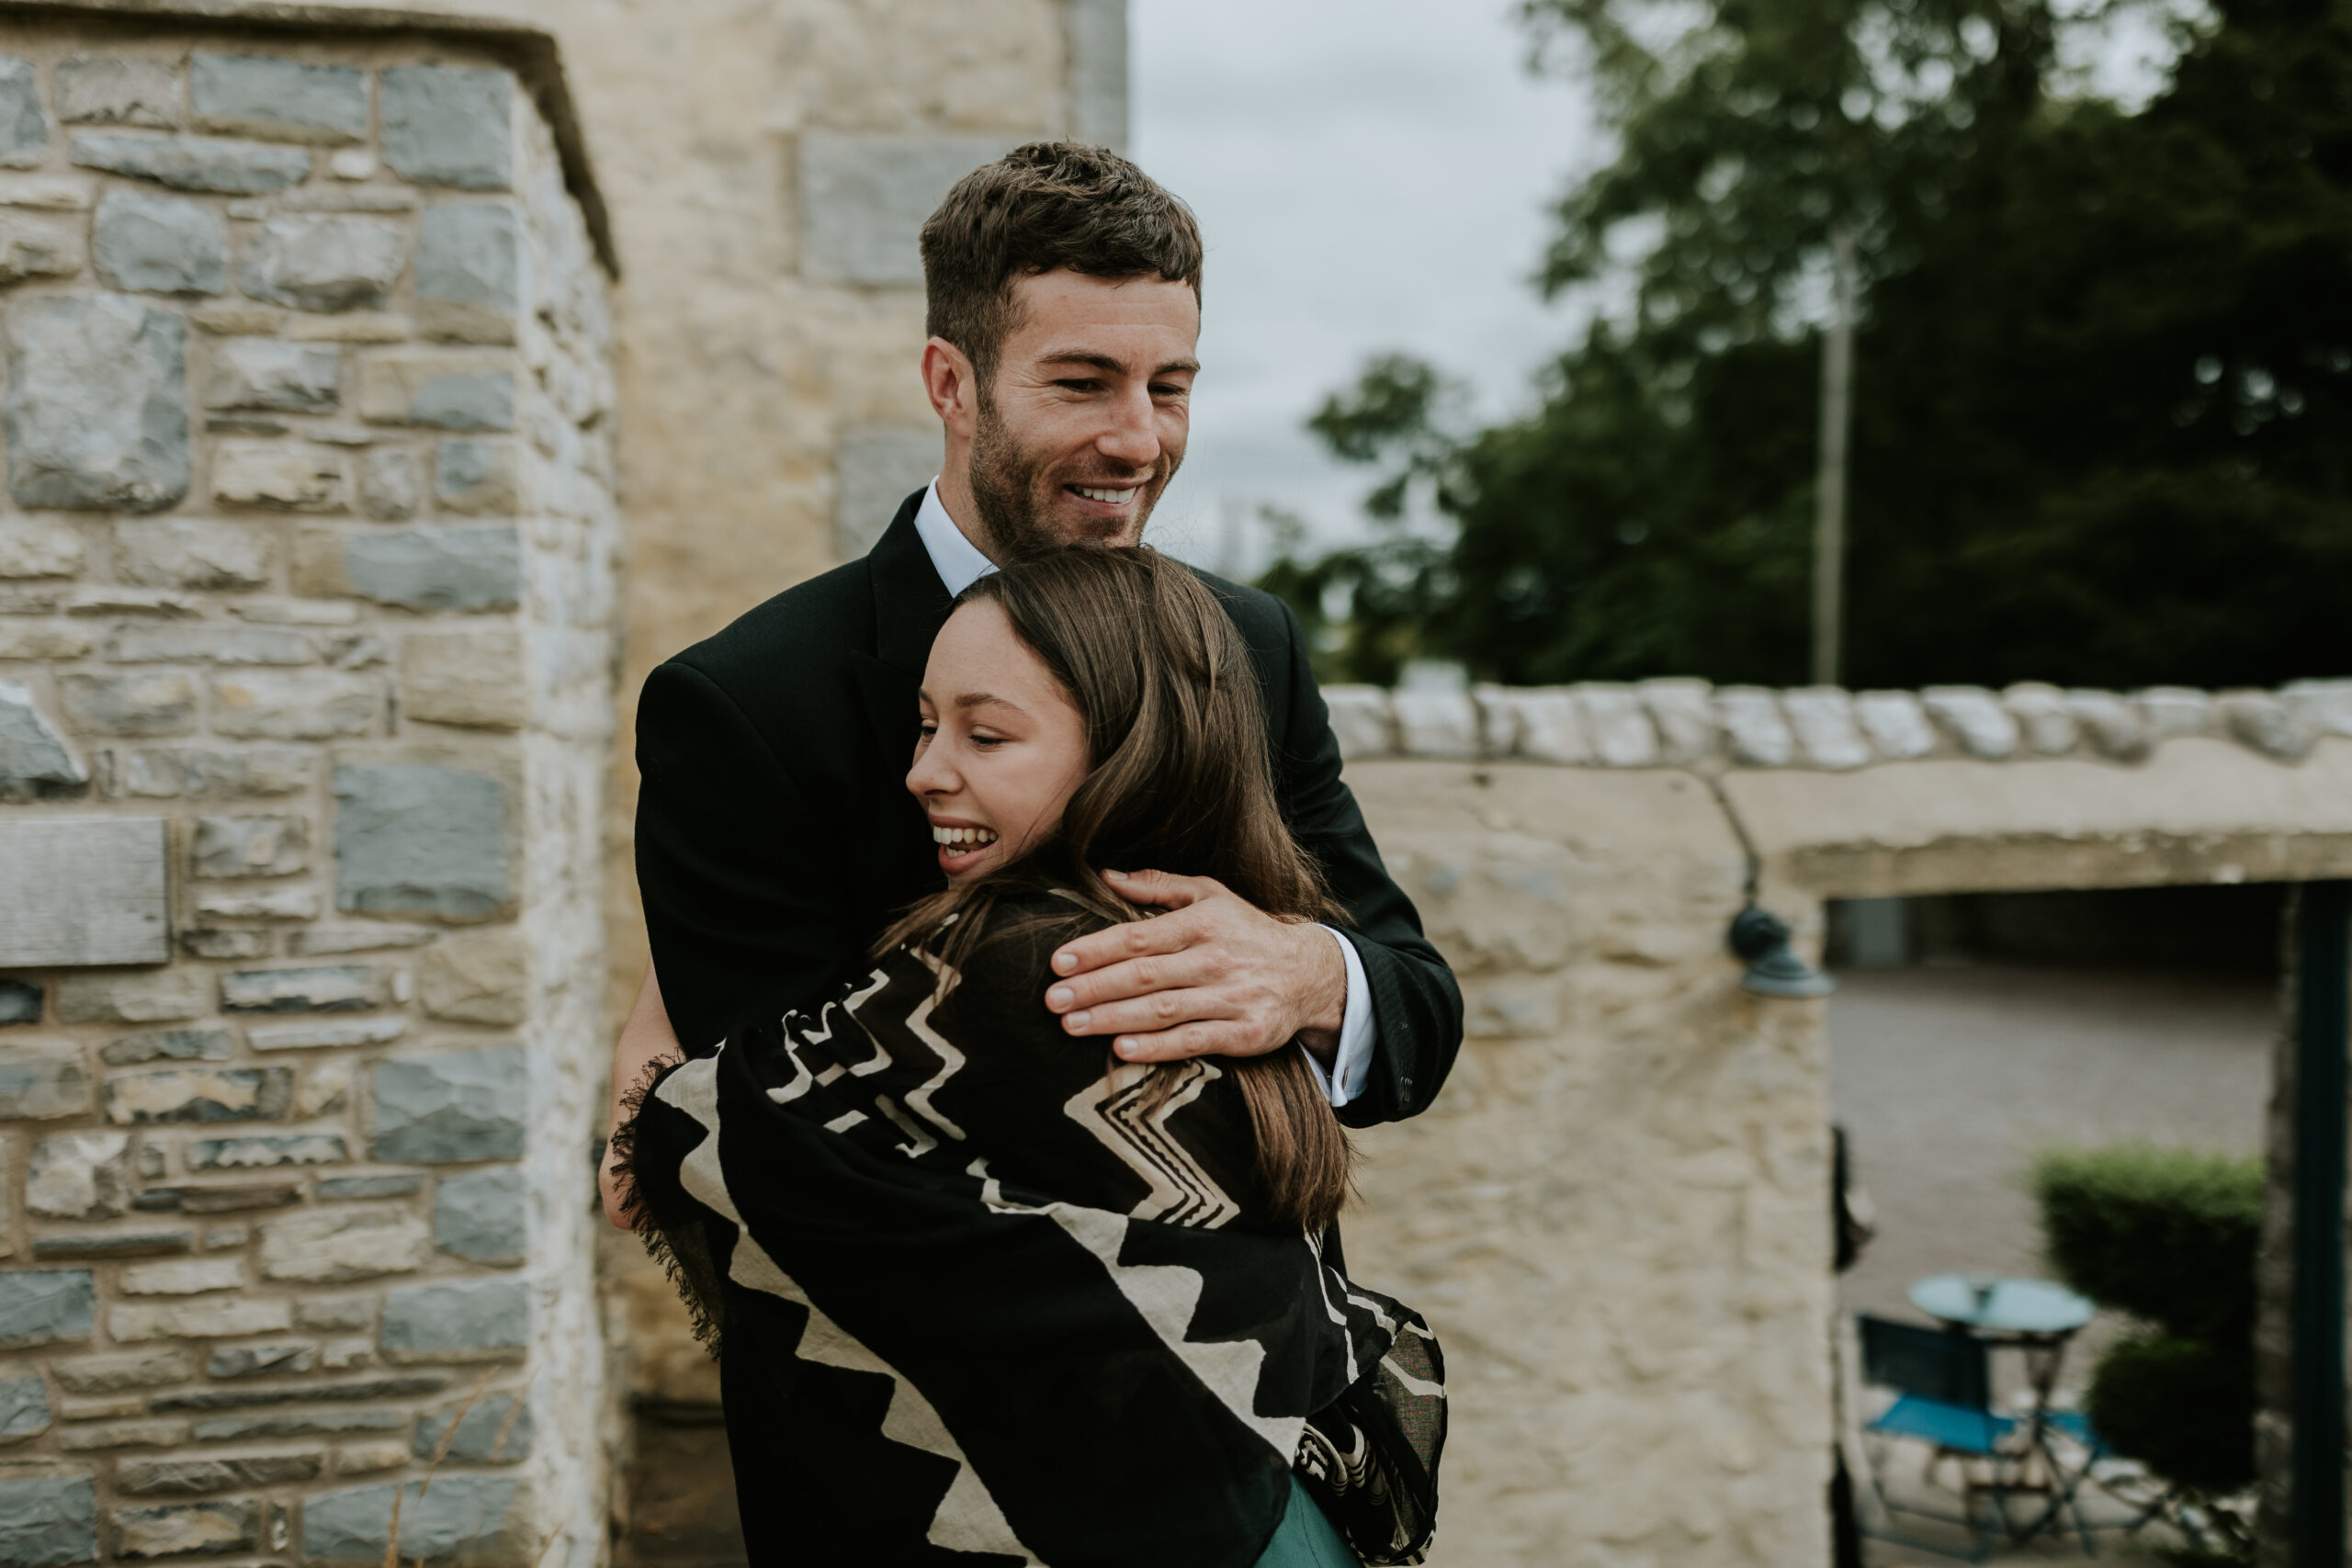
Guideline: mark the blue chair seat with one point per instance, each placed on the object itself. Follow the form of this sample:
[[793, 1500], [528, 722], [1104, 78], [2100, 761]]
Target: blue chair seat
[[1952, 1426]]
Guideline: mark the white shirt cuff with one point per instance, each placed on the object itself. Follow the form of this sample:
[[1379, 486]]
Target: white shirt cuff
[[1352, 1062]]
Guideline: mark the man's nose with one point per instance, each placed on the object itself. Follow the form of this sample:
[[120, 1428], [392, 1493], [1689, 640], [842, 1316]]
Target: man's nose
[[1133, 438]]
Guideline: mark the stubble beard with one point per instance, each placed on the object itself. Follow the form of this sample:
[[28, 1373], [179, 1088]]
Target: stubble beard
[[1013, 508]]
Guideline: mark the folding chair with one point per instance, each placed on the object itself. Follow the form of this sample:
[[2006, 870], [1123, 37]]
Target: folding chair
[[1943, 1384]]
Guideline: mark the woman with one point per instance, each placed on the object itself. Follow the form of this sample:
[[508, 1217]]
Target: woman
[[980, 1294]]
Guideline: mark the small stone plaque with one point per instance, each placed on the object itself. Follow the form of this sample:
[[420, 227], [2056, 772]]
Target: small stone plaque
[[83, 891]]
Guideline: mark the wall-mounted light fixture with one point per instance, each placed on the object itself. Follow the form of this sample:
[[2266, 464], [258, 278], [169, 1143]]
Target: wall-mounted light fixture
[[1761, 938]]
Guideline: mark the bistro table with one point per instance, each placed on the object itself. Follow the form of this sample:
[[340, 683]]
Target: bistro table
[[2032, 1315]]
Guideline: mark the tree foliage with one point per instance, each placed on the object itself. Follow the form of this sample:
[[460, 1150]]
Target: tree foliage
[[2103, 373]]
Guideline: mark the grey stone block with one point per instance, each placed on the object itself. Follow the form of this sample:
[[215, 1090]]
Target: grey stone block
[[192, 1477], [254, 1154], [467, 567], [471, 401], [463, 1319], [483, 1215], [450, 125], [164, 996], [79, 1176], [132, 1368], [295, 705], [232, 1428], [24, 130], [175, 1530], [496, 1430], [118, 89], [133, 704], [469, 271], [193, 163], [264, 373], [24, 1408], [34, 762], [252, 846], [266, 95], [51, 1521], [369, 1186], [94, 412], [217, 1200], [169, 1046], [419, 841], [214, 776], [390, 484], [332, 987], [39, 247], [875, 469], [477, 477], [160, 244], [210, 1094], [456, 1106], [40, 1079], [85, 891], [210, 645], [20, 1002], [315, 260], [41, 1306], [109, 1245], [194, 552], [262, 1360], [314, 1036], [864, 199]]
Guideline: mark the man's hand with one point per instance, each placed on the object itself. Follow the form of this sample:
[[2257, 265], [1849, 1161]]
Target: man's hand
[[1218, 976]]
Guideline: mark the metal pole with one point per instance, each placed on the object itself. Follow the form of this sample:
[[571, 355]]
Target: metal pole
[[2322, 1026], [1830, 490]]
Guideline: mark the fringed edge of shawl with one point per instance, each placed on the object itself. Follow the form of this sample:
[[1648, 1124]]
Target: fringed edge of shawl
[[666, 1222]]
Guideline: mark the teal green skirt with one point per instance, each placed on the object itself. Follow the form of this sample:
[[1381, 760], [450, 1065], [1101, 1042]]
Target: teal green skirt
[[1306, 1539]]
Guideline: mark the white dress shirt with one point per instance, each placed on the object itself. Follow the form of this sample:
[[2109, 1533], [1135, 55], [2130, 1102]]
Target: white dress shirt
[[960, 564]]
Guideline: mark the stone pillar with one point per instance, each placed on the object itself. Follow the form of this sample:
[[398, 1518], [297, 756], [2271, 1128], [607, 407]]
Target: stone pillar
[[307, 624]]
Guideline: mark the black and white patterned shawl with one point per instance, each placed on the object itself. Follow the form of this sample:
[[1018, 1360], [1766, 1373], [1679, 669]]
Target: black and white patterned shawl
[[976, 1304]]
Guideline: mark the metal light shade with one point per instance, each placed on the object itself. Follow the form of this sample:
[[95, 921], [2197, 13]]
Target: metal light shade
[[1761, 938]]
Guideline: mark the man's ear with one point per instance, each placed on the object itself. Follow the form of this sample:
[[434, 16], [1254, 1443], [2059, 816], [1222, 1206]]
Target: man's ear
[[953, 386]]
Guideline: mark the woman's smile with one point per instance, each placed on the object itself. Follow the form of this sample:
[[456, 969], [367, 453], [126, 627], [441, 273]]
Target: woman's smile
[[962, 845]]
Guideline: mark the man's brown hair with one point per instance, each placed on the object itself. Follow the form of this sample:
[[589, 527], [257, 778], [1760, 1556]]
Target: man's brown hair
[[1041, 206]]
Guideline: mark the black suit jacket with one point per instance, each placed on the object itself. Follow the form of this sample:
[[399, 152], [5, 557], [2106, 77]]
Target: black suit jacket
[[775, 837]]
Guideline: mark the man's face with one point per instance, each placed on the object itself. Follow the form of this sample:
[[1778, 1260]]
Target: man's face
[[1085, 422]]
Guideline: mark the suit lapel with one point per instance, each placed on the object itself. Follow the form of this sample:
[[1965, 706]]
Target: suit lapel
[[909, 606]]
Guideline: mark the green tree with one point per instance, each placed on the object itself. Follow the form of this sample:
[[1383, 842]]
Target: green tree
[[2101, 417]]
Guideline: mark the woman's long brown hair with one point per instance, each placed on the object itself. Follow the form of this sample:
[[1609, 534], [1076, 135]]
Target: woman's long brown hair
[[1178, 781]]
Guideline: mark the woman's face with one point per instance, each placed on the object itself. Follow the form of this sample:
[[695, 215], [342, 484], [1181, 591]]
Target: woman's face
[[1002, 745]]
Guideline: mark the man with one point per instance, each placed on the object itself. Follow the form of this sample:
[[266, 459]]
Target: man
[[775, 837]]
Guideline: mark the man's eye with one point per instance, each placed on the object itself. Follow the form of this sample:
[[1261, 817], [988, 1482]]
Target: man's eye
[[990, 739], [1168, 391], [1080, 385]]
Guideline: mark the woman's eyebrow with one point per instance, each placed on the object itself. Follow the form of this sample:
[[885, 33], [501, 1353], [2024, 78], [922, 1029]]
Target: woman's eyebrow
[[985, 699]]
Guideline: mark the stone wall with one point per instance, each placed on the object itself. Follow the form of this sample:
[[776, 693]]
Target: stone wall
[[308, 624]]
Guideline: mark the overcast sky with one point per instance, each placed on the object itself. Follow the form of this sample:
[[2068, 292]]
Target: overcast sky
[[1370, 175]]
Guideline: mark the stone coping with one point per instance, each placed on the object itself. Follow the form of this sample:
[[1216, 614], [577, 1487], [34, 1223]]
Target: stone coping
[[1689, 722], [530, 51]]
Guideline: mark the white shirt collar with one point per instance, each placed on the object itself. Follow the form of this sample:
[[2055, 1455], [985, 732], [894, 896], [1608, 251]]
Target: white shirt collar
[[957, 560]]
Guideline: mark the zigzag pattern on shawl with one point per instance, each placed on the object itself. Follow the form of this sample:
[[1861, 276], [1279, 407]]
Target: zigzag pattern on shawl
[[968, 1518]]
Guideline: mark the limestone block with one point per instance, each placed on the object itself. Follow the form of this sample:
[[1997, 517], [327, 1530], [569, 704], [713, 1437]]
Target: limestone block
[[322, 1035], [2169, 711], [39, 247], [361, 936], [200, 1094], [483, 1215], [470, 678], [1436, 724], [2264, 721], [454, 1106], [181, 1277], [229, 1429], [450, 125], [353, 164], [282, 476], [191, 1477], [93, 412], [447, 390], [218, 941], [264, 373], [34, 548], [122, 1435], [83, 891], [52, 193], [469, 259], [122, 1369], [477, 479], [1828, 734], [252, 846], [390, 484], [110, 601], [174, 1529], [1975, 718], [2046, 723], [50, 1519], [336, 1246], [189, 552], [419, 841], [193, 163], [210, 645], [2324, 707], [479, 1520], [330, 1314], [34, 761], [332, 987], [269, 96], [309, 260], [255, 1153], [20, 1002], [160, 244], [165, 997], [45, 645], [205, 774], [864, 199], [118, 89], [496, 1430], [1752, 723], [24, 130], [1897, 726], [295, 705], [42, 1306], [1551, 727], [467, 1320], [168, 1045], [79, 1176], [477, 979], [200, 1317], [1619, 725], [24, 1407], [345, 1355], [2113, 723], [1684, 713], [876, 468], [325, 1089], [1360, 720]]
